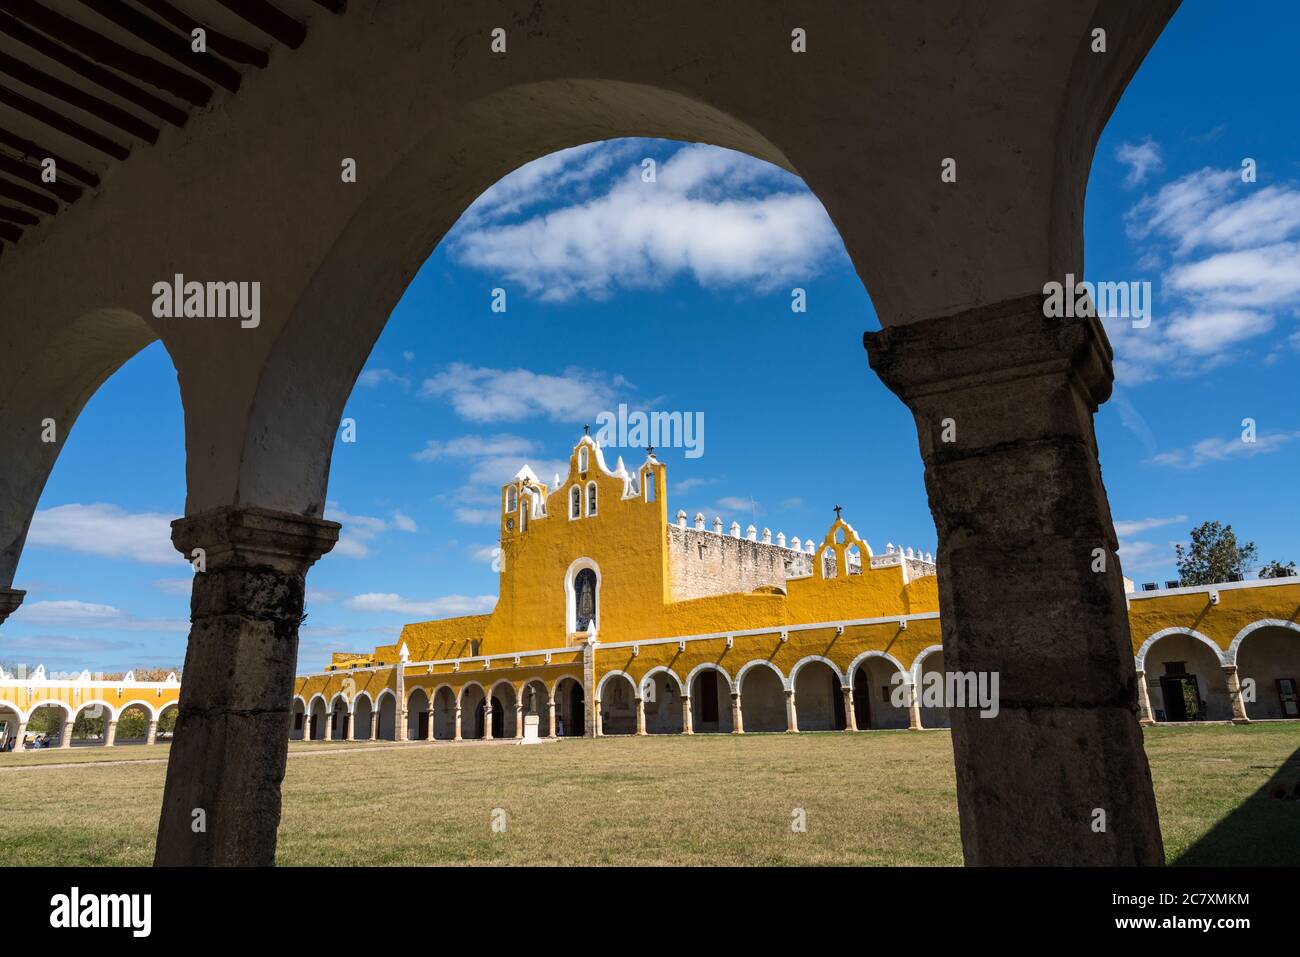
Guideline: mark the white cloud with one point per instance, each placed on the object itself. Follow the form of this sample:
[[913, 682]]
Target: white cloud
[[1144, 556], [721, 217], [360, 531], [447, 605], [498, 395], [1217, 449], [1124, 529], [736, 502], [373, 378], [175, 586], [687, 484], [106, 531], [493, 460], [475, 447], [484, 553], [476, 516], [1140, 158], [81, 614]]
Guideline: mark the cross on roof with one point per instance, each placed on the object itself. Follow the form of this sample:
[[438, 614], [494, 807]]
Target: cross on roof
[[586, 429], [649, 450], [838, 509]]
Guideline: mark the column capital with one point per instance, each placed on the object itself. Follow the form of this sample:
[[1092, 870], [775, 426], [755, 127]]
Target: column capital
[[249, 535], [1003, 342], [10, 599]]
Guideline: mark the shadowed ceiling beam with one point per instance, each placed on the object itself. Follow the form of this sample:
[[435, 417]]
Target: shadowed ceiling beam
[[91, 71], [12, 214], [270, 20], [11, 233], [101, 109], [36, 153], [27, 197], [16, 101], [234, 50], [164, 40], [334, 6], [68, 192], [102, 50]]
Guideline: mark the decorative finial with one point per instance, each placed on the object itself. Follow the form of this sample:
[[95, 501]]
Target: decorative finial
[[838, 509], [586, 429], [649, 451]]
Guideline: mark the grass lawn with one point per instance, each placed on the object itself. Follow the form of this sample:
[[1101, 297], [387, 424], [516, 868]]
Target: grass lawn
[[876, 798]]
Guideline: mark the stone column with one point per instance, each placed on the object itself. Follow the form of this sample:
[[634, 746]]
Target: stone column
[[65, 739], [591, 723], [640, 716], [850, 716], [1003, 400], [399, 710], [110, 733], [552, 706], [688, 726], [152, 736], [913, 706], [737, 719], [329, 725], [10, 599], [456, 736], [487, 720], [21, 733], [519, 721], [1234, 693], [600, 720], [791, 715], [228, 754], [1145, 714]]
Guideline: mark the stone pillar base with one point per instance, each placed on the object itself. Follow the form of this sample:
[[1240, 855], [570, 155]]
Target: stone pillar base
[[232, 733]]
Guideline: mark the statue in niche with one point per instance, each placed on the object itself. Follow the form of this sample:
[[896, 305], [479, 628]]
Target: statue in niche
[[584, 595]]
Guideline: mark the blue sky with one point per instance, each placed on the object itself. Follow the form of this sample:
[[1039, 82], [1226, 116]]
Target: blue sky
[[675, 296]]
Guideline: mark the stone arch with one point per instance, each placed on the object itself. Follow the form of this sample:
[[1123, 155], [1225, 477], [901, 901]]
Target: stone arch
[[872, 676], [12, 718], [1268, 668], [167, 717], [710, 689], [385, 720], [504, 697], [661, 693], [317, 715], [90, 720], [918, 661], [363, 716], [340, 715], [55, 730], [131, 730], [762, 690], [570, 702], [418, 720], [444, 703], [473, 711], [931, 661], [617, 696], [1184, 676], [535, 698], [818, 686]]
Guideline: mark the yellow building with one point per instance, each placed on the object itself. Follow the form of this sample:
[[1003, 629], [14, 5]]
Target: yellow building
[[612, 619], [23, 695]]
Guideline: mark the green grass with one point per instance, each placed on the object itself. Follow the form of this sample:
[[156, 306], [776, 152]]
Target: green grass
[[877, 798]]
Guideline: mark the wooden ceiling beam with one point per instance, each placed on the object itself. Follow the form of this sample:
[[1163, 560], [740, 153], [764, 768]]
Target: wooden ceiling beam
[[236, 51], [21, 194], [108, 53], [68, 192], [36, 153], [165, 41], [270, 20], [43, 114], [100, 109]]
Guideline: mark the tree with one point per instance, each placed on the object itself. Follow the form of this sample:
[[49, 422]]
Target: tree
[[1213, 556], [1275, 569]]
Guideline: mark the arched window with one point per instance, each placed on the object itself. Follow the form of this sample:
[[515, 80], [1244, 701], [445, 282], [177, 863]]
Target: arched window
[[523, 515], [575, 502], [582, 459], [591, 499], [649, 485], [511, 499], [584, 599], [828, 563]]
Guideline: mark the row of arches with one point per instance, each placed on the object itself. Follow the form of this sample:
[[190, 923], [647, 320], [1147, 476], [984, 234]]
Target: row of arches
[[473, 712], [56, 724]]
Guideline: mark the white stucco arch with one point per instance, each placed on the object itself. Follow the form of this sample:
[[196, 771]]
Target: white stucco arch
[[340, 696], [798, 666], [709, 666], [112, 712], [460, 695], [68, 713], [356, 699], [600, 688], [379, 698], [411, 694], [149, 709], [1230, 657], [555, 687], [1141, 657], [749, 666], [915, 674], [298, 699], [659, 669], [862, 658]]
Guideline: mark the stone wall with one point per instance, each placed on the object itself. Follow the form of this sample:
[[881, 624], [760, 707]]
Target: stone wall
[[703, 563]]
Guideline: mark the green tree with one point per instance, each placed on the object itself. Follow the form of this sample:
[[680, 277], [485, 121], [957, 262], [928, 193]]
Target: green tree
[[1213, 556], [1275, 569]]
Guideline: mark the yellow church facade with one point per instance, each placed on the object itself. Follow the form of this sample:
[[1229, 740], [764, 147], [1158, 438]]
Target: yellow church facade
[[613, 618]]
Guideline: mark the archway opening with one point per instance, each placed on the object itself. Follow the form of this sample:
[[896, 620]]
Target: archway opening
[[10, 722], [762, 700], [444, 714], [318, 719], [711, 702], [504, 722], [663, 703], [1185, 681], [47, 726], [1270, 656], [133, 725], [932, 690], [618, 706], [418, 717], [340, 719], [873, 687], [90, 726], [363, 716], [571, 721], [473, 707], [536, 709], [386, 718], [299, 723], [819, 698]]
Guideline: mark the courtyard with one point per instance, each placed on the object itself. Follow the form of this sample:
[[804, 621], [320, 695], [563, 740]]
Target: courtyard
[[875, 798]]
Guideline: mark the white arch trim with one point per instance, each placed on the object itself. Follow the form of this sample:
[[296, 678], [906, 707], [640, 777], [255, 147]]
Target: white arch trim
[[340, 696], [298, 699], [379, 698], [509, 684], [68, 713], [1235, 648], [412, 693], [460, 697], [1140, 659], [660, 669], [600, 688], [799, 665], [919, 663], [570, 600], [709, 666], [112, 712], [148, 707], [862, 658], [757, 663], [555, 688], [357, 700], [311, 705]]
